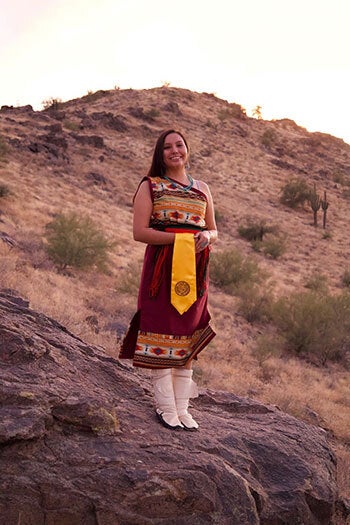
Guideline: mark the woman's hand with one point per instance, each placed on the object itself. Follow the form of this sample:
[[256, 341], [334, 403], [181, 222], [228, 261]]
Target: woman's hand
[[202, 240]]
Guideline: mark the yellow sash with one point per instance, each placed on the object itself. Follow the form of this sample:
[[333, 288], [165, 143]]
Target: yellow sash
[[183, 273]]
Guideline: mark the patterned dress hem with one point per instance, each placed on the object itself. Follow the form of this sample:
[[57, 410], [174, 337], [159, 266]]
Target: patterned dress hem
[[146, 361]]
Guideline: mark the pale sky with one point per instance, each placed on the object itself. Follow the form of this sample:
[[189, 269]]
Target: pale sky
[[291, 57]]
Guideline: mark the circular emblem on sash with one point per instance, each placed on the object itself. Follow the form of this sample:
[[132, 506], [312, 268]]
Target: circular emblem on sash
[[182, 288]]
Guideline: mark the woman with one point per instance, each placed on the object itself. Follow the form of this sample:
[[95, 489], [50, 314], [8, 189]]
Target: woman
[[174, 216]]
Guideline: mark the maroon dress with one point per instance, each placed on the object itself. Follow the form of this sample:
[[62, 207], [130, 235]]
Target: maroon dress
[[159, 336]]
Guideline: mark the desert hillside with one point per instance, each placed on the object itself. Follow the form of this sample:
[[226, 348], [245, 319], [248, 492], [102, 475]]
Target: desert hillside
[[88, 155], [91, 153]]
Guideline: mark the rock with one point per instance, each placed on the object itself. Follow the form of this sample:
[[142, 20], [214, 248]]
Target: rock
[[240, 131], [56, 114], [287, 166], [17, 109], [54, 147], [89, 140], [97, 178], [7, 239], [54, 128], [13, 296], [139, 113], [80, 444], [53, 138], [110, 121], [172, 107]]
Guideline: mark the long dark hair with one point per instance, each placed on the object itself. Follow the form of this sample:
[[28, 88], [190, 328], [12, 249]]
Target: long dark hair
[[158, 167]]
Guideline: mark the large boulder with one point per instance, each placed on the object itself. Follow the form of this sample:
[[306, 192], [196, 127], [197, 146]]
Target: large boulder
[[80, 444]]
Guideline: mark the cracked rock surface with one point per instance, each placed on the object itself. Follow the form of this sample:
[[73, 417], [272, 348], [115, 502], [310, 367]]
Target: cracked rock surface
[[80, 444]]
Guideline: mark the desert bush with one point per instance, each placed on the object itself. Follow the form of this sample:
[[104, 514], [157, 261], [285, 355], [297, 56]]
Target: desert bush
[[317, 282], [340, 178], [72, 126], [273, 246], [52, 103], [257, 112], [129, 278], [266, 346], [237, 111], [4, 190], [229, 269], [224, 114], [268, 138], [92, 96], [295, 192], [255, 302], [345, 280], [152, 113], [75, 241], [315, 324], [233, 111], [254, 229]]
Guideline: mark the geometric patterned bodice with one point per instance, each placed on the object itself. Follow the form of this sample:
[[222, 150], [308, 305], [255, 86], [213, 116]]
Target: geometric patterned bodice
[[174, 206]]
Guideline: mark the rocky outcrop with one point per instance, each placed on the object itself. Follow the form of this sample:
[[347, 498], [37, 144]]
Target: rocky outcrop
[[89, 140], [18, 110], [80, 444]]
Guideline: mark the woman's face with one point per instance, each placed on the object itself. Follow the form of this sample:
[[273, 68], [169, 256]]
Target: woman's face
[[174, 151]]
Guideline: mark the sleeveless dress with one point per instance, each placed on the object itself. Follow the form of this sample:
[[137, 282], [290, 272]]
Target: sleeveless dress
[[158, 336]]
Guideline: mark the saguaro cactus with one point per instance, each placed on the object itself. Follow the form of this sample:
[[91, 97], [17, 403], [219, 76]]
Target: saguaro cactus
[[315, 203], [324, 204]]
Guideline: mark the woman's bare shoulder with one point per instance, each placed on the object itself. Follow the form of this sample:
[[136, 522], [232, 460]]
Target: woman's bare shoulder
[[202, 186]]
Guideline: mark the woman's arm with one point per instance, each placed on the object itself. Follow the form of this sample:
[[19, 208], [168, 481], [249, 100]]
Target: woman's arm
[[210, 235], [142, 213]]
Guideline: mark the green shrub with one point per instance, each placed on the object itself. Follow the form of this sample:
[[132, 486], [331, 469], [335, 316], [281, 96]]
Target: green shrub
[[254, 229], [273, 246], [255, 302], [229, 269], [75, 241], [266, 346], [315, 324], [295, 192]]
